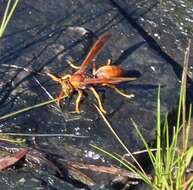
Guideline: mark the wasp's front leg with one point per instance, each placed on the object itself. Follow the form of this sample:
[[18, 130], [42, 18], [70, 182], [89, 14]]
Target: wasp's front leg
[[71, 63], [53, 77], [66, 77], [59, 98]]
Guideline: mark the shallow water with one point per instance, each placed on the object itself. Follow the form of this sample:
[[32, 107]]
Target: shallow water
[[43, 35]]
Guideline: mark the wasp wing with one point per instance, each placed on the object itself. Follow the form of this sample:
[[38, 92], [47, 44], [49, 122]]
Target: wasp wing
[[103, 81], [93, 52]]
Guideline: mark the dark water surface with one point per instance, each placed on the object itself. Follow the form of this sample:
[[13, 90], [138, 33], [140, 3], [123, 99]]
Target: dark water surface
[[148, 37]]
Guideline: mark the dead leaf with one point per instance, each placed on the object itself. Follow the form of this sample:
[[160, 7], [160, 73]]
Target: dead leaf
[[12, 158]]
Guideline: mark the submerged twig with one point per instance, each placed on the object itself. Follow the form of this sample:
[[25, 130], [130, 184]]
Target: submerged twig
[[104, 169], [23, 68], [43, 135]]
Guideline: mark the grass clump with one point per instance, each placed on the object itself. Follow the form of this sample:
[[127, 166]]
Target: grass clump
[[169, 161], [171, 158]]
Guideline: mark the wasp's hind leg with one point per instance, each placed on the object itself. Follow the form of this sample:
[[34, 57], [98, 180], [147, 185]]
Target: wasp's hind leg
[[109, 62], [94, 69], [129, 96]]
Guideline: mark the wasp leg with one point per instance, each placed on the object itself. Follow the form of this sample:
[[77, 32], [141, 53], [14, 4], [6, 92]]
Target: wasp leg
[[80, 94], [119, 91], [98, 99], [109, 62], [71, 63], [94, 69], [53, 77], [66, 77], [57, 79], [59, 98]]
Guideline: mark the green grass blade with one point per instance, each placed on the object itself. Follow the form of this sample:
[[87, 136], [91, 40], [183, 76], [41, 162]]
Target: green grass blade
[[14, 141], [7, 16], [10, 14], [158, 146], [173, 145], [190, 184], [166, 148], [188, 127], [27, 109], [4, 18], [152, 157], [179, 107], [117, 137], [188, 157]]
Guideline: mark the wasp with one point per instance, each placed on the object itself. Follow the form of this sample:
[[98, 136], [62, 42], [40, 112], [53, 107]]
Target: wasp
[[107, 75]]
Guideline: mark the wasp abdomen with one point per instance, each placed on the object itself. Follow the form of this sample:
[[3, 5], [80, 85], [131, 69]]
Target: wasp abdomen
[[109, 71]]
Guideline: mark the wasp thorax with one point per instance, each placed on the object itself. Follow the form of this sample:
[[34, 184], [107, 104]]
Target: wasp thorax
[[77, 81]]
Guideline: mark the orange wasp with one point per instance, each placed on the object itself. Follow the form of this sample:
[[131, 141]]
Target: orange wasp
[[107, 75]]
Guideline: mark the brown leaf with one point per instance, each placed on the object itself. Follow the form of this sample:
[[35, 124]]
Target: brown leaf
[[12, 158]]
